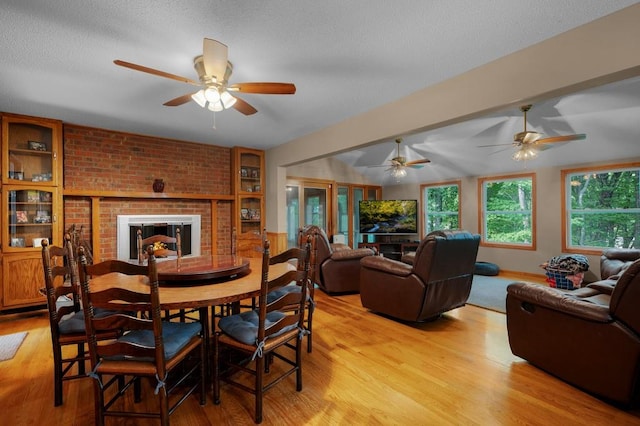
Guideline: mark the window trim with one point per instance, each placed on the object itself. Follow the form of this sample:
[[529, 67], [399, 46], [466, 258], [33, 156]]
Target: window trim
[[481, 211], [423, 204], [564, 212]]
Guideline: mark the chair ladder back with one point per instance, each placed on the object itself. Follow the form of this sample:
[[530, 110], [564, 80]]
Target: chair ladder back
[[143, 243], [56, 282], [119, 319], [292, 304], [60, 272]]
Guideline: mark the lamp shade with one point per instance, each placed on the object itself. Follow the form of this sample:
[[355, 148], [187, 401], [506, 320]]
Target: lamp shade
[[526, 152], [211, 95], [199, 98], [227, 100], [215, 106]]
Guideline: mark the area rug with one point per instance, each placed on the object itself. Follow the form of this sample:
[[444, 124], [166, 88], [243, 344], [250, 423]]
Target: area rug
[[10, 344], [489, 293]]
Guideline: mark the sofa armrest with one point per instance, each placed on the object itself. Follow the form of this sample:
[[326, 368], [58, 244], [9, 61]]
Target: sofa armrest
[[409, 257], [351, 254], [339, 246], [603, 286], [558, 301], [384, 264]]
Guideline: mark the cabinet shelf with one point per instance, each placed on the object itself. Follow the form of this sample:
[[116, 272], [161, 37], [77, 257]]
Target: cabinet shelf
[[20, 151]]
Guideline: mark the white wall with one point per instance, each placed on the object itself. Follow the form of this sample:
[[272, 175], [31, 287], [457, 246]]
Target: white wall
[[330, 169]]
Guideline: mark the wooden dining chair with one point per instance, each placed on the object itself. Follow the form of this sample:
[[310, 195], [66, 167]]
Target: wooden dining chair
[[272, 332], [170, 354], [248, 244], [164, 245], [66, 319], [303, 237]]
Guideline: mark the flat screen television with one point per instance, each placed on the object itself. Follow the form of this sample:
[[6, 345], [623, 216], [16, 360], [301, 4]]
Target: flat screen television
[[388, 217]]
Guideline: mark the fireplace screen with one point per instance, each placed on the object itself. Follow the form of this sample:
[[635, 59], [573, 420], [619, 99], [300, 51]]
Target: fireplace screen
[[128, 226], [160, 229]]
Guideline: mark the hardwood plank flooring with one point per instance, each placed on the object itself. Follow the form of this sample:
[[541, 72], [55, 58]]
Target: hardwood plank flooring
[[364, 369]]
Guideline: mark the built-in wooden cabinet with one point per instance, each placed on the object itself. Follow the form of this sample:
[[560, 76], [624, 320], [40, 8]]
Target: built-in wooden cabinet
[[248, 187], [31, 170]]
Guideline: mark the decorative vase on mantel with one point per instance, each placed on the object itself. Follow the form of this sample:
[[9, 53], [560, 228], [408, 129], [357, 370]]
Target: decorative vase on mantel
[[158, 185]]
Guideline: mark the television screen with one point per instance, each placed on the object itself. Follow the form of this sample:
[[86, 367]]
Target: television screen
[[388, 217]]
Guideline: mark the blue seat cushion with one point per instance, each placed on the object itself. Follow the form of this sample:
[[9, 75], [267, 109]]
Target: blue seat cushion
[[278, 293], [74, 323], [244, 326], [175, 336]]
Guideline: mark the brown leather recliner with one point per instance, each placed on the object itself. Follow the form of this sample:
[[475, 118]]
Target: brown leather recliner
[[588, 337], [438, 280], [337, 266]]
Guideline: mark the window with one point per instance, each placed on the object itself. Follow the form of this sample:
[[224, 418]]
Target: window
[[601, 208], [508, 211], [441, 206]]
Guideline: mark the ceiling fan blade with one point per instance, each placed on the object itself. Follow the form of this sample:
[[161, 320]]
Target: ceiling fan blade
[[566, 138], [264, 88], [500, 150], [495, 144], [214, 57], [180, 100], [152, 71], [244, 107], [417, 162]]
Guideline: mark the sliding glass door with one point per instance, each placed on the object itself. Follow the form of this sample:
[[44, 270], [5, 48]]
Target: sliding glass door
[[308, 203]]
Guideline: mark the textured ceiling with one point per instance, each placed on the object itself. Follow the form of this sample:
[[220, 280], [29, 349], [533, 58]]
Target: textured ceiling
[[344, 57]]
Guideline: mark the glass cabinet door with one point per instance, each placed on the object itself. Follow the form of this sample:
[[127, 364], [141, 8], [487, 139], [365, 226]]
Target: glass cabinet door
[[250, 172], [251, 214], [249, 190], [31, 217], [31, 151]]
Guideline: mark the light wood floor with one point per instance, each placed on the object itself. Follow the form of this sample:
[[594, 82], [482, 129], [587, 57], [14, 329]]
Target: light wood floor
[[364, 369]]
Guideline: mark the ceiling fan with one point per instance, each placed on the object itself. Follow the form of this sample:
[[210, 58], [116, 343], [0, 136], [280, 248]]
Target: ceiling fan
[[529, 142], [214, 70], [398, 165]]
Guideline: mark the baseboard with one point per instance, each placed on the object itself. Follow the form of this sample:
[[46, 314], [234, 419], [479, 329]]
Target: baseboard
[[529, 276]]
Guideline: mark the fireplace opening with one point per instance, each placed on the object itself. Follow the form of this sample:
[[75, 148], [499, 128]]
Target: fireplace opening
[[160, 229], [128, 226]]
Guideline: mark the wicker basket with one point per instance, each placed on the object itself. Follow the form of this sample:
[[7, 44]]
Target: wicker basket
[[557, 278]]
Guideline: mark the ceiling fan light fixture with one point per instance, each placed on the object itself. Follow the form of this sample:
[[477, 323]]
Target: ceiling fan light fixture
[[199, 98], [211, 95], [227, 100], [398, 172], [527, 152], [215, 106]]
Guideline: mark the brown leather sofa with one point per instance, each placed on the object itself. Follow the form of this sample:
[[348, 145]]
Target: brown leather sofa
[[588, 337], [337, 266], [438, 280]]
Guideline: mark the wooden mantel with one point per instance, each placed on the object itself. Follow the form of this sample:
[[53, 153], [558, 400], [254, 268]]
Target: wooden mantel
[[97, 195]]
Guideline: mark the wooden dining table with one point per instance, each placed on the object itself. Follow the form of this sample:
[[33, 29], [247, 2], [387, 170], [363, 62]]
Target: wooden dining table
[[198, 282]]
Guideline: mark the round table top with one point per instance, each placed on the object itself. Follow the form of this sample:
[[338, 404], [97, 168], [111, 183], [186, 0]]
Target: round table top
[[201, 269], [200, 295]]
